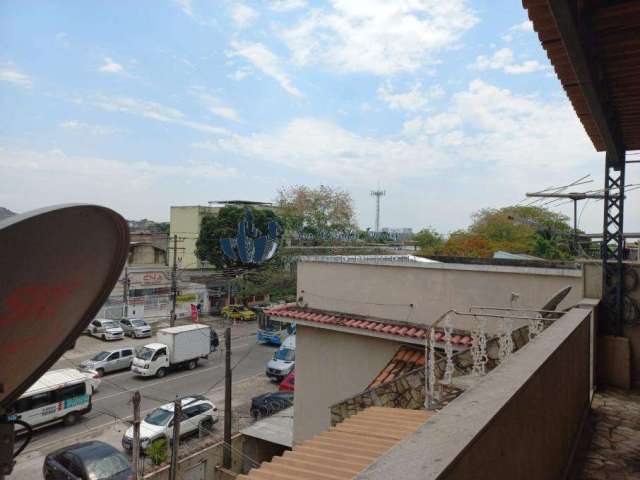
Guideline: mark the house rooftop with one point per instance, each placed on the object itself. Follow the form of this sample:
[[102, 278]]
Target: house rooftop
[[345, 450]]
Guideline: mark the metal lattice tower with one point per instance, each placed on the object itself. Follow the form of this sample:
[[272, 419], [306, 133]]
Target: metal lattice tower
[[378, 193], [613, 244]]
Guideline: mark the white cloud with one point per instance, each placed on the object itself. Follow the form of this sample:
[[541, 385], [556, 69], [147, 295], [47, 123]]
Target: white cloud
[[98, 130], [286, 5], [10, 74], [240, 73], [110, 66], [526, 26], [216, 106], [32, 179], [378, 36], [504, 60], [185, 6], [242, 15], [325, 149], [412, 100], [152, 110], [265, 61], [501, 138]]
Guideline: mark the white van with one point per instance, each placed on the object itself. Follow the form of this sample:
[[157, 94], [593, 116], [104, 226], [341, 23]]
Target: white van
[[59, 395], [283, 360]]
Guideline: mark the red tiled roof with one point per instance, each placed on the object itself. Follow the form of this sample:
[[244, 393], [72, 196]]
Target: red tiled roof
[[406, 360], [294, 312]]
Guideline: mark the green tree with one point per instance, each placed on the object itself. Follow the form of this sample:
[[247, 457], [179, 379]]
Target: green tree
[[225, 225], [429, 241], [320, 213]]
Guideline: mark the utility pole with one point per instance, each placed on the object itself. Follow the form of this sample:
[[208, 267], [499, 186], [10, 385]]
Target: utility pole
[[175, 442], [174, 281], [378, 194], [136, 434], [226, 455], [125, 292]]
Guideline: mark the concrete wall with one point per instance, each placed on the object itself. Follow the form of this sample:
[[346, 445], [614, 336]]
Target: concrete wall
[[521, 421], [330, 367], [387, 291]]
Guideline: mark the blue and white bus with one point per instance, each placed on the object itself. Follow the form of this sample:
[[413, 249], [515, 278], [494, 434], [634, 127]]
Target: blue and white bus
[[273, 331]]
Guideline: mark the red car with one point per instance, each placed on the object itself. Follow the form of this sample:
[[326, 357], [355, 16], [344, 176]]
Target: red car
[[289, 383]]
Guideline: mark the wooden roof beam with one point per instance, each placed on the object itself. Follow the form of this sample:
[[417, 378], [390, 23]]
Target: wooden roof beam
[[577, 39]]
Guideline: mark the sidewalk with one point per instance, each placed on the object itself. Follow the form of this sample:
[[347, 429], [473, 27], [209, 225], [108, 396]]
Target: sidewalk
[[613, 451]]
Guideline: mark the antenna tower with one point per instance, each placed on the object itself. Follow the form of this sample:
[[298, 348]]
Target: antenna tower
[[378, 193]]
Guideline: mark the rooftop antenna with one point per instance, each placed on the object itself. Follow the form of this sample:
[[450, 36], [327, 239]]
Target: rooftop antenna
[[378, 193]]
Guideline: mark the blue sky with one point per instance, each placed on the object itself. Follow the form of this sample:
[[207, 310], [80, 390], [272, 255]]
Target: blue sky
[[449, 106]]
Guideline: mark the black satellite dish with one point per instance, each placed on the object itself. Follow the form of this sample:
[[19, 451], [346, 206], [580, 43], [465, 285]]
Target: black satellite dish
[[58, 266]]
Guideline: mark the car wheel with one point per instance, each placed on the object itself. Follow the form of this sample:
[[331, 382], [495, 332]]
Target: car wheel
[[161, 372], [100, 372], [70, 419], [205, 427], [255, 413], [104, 337], [192, 364]]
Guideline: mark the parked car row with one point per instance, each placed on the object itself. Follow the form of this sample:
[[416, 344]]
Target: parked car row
[[112, 330]]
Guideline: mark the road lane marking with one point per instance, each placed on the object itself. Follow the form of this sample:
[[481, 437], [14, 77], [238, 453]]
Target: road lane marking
[[163, 381]]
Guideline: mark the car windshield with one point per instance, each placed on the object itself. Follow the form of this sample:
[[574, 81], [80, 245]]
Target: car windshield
[[98, 357], [159, 417], [286, 355], [138, 323], [109, 325], [100, 467], [145, 353]]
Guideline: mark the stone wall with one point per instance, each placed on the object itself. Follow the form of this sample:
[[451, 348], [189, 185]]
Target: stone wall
[[408, 391]]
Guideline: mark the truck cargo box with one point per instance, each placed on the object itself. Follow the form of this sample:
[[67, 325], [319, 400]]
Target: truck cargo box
[[186, 342]]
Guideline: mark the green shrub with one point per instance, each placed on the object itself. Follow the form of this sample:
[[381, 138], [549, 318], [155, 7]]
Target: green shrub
[[157, 451]]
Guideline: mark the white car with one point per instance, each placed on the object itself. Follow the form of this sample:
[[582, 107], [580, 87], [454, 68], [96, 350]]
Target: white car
[[106, 329], [198, 413], [283, 361]]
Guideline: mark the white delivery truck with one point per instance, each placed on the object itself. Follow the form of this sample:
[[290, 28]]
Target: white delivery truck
[[175, 347]]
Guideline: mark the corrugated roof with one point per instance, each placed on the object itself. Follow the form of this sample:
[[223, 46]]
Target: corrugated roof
[[616, 44], [292, 311], [345, 450], [406, 359]]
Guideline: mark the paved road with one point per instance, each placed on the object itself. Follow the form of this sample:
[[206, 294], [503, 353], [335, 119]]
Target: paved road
[[111, 403]]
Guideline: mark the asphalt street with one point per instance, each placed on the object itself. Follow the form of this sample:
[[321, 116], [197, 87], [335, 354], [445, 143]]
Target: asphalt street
[[111, 404]]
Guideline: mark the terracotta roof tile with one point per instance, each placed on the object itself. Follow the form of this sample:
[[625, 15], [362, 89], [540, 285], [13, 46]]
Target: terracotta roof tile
[[294, 312]]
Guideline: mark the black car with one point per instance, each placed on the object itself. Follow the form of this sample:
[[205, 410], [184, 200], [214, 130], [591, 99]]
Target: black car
[[87, 461], [270, 403]]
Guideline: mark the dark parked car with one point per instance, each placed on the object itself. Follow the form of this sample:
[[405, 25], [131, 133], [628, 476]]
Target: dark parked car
[[270, 403], [87, 461]]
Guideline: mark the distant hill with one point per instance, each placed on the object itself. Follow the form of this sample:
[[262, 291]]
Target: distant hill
[[6, 213], [150, 226]]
